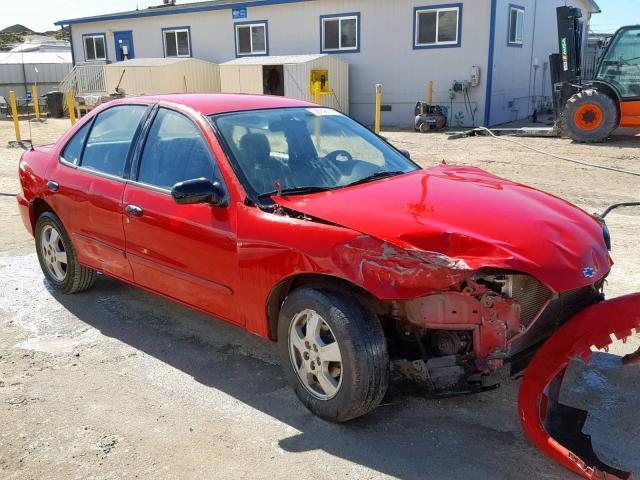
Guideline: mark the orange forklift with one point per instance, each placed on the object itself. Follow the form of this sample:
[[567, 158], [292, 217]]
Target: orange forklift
[[589, 111]]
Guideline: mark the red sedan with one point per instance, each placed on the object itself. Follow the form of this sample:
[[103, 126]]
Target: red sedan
[[300, 225]]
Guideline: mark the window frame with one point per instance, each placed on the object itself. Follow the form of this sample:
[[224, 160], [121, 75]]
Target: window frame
[[251, 24], [340, 17], [458, 7], [175, 30], [130, 154], [521, 10], [93, 36], [136, 158]]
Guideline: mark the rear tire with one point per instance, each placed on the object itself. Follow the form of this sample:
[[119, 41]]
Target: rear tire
[[58, 258], [590, 116], [358, 382]]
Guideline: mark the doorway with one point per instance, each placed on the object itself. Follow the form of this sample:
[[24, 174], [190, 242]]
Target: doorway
[[273, 80], [124, 45]]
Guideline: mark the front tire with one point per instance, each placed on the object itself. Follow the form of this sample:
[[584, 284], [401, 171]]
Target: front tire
[[58, 258], [333, 352], [590, 116]]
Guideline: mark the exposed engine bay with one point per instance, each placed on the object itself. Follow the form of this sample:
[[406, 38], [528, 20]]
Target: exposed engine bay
[[482, 330]]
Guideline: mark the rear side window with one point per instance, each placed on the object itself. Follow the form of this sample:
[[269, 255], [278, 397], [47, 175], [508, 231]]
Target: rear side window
[[175, 151], [73, 149], [110, 139]]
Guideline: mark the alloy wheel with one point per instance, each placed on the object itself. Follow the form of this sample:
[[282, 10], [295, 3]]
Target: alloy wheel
[[315, 354]]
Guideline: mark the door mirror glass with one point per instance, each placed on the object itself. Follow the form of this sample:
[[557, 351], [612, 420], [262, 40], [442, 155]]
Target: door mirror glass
[[199, 190], [406, 153]]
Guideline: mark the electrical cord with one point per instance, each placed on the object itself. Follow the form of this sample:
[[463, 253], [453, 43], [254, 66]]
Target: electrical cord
[[618, 205], [566, 159]]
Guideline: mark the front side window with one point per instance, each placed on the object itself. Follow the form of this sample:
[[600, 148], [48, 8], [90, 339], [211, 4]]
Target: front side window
[[251, 39], [340, 33], [177, 42], [305, 148], [516, 25], [94, 48], [73, 150], [109, 142], [621, 65], [437, 27], [174, 151]]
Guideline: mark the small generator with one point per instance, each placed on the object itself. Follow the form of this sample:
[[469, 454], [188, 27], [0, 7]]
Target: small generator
[[429, 117]]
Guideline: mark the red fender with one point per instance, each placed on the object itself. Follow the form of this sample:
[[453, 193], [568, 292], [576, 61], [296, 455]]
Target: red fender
[[592, 326]]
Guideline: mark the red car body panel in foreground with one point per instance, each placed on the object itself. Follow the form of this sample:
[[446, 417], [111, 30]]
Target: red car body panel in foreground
[[592, 327]]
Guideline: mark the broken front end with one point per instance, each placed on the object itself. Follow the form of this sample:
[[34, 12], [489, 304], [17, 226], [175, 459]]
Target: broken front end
[[578, 400], [484, 329]]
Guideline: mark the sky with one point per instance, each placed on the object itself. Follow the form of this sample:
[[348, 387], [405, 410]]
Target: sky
[[39, 15]]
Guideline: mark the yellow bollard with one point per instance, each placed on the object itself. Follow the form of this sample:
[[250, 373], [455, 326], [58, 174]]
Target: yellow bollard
[[378, 105], [430, 97], [317, 96], [36, 104], [14, 114], [70, 106]]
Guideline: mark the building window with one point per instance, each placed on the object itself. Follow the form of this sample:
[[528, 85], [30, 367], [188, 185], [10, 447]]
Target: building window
[[94, 47], [516, 25], [177, 41], [251, 38], [436, 27], [340, 33]]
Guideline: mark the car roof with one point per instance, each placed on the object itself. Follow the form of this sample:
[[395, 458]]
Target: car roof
[[212, 103]]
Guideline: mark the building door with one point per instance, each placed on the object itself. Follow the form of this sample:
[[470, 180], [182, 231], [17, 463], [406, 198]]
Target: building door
[[124, 45]]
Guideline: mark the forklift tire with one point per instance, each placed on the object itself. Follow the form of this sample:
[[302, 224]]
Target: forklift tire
[[590, 116]]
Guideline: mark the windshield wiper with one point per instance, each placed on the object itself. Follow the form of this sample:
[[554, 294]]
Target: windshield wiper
[[376, 176], [294, 191]]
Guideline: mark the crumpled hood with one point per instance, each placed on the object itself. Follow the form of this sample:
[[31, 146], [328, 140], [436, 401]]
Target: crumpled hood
[[471, 215]]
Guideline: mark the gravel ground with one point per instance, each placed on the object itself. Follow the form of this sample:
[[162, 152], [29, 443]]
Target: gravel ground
[[118, 383]]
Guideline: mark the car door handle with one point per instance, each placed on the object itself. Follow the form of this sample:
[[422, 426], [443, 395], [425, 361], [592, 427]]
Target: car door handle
[[53, 186], [134, 210]]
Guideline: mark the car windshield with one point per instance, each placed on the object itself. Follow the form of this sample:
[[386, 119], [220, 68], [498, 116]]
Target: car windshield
[[302, 150]]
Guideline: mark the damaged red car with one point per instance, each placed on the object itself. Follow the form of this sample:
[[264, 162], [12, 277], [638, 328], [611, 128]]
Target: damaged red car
[[302, 226]]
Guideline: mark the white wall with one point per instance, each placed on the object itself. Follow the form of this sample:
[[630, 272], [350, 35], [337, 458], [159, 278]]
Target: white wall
[[386, 48], [514, 75]]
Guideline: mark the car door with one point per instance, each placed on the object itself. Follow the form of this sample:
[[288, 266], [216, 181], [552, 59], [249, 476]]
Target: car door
[[186, 252], [88, 184]]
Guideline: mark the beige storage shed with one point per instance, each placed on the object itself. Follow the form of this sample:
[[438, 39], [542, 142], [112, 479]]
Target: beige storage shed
[[293, 76], [156, 76]]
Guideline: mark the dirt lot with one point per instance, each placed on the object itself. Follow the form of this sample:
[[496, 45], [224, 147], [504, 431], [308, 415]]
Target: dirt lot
[[117, 383]]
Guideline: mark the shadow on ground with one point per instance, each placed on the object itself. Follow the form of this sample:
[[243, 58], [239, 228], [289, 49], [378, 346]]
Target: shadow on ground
[[408, 437]]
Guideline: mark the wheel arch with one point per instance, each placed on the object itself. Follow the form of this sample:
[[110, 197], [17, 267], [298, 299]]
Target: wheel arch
[[610, 91], [280, 291], [38, 207]]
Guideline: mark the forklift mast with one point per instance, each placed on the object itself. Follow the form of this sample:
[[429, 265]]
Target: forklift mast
[[566, 67], [570, 28]]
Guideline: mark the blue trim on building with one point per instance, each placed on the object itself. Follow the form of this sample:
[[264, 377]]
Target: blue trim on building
[[266, 38], [340, 15], [170, 29], [84, 46], [436, 45], [509, 42], [492, 45], [73, 55], [154, 12]]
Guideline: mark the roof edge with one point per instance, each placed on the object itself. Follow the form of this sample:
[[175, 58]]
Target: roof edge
[[595, 6], [174, 10]]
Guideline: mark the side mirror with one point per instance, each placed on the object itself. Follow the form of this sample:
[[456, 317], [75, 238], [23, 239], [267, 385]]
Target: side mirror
[[199, 190], [405, 153]]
